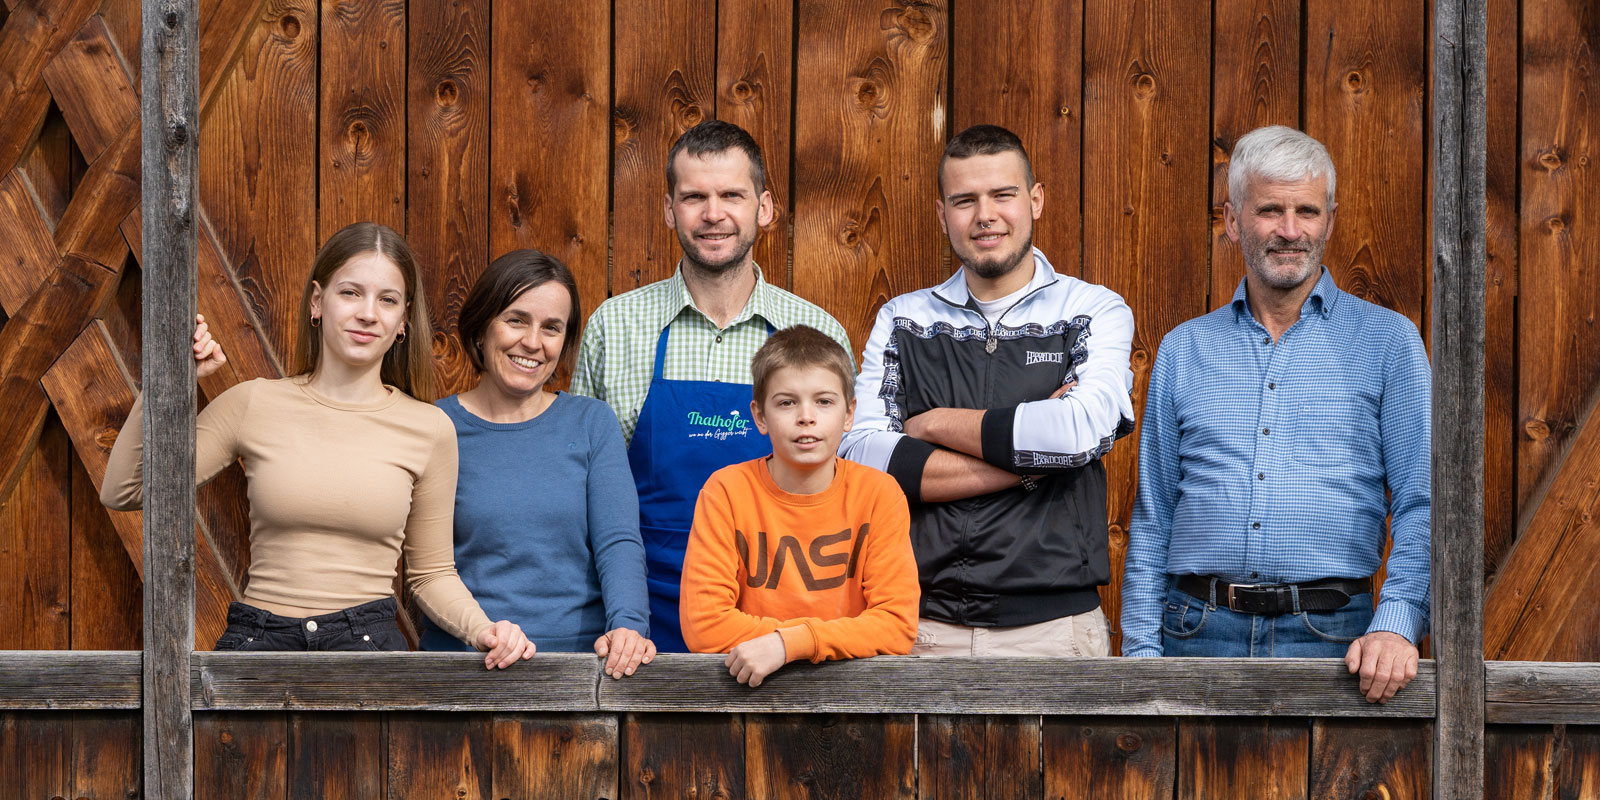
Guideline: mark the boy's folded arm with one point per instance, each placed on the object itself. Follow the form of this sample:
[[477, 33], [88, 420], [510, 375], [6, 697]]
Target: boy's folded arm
[[888, 624], [712, 622]]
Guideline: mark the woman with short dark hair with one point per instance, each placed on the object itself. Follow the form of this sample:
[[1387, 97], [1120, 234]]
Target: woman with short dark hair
[[546, 516]]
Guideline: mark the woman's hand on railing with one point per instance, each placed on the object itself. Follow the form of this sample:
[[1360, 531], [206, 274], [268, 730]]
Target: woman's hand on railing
[[506, 645], [208, 353], [624, 650]]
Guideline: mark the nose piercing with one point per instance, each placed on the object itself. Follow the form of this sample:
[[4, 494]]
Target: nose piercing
[[984, 225]]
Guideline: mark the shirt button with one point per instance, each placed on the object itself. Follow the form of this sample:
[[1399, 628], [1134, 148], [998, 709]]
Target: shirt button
[[1261, 476], [366, 637], [1257, 526], [311, 625], [719, 339], [1255, 574], [1266, 431], [1272, 386], [1266, 340]]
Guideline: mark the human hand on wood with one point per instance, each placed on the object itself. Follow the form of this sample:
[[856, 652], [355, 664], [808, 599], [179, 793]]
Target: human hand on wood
[[752, 661], [624, 650], [1386, 661], [1065, 387], [505, 643], [208, 353]]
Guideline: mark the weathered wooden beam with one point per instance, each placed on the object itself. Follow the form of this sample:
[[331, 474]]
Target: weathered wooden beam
[[169, 122], [1532, 692], [1550, 570], [1460, 66], [69, 679], [223, 681]]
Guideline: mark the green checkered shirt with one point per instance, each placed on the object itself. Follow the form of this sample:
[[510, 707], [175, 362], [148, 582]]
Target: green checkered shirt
[[618, 352]]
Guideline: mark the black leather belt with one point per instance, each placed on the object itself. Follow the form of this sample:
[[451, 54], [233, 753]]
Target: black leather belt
[[1274, 598]]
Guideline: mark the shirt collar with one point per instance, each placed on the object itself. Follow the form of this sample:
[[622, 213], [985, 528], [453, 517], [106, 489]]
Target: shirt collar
[[679, 299], [1324, 296], [955, 292]]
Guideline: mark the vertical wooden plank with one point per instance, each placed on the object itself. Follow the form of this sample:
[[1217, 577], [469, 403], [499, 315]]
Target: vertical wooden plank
[[105, 755], [1500, 290], [1127, 758], [440, 755], [755, 65], [869, 129], [336, 755], [1535, 762], [1264, 758], [240, 755], [665, 85], [549, 162], [170, 113], [1255, 82], [362, 158], [556, 756], [35, 549], [258, 165], [1145, 202], [447, 165], [1559, 354], [48, 166], [846, 756], [979, 757], [1391, 759], [1023, 69], [1365, 86], [106, 612], [1456, 319], [36, 753], [683, 755]]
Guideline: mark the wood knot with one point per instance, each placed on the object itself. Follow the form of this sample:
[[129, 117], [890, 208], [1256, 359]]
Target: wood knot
[[690, 116], [915, 24], [1166, 159], [227, 737], [1550, 160], [1065, 112], [357, 135], [742, 91], [850, 236], [171, 20], [1555, 224], [1144, 86], [1139, 359], [1127, 210], [105, 438], [1355, 81], [1537, 429], [866, 94], [289, 26], [621, 128], [1129, 742], [647, 776], [447, 93]]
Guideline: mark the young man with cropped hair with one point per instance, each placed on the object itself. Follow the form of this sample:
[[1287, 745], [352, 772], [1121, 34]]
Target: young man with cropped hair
[[991, 399], [801, 554], [1280, 432]]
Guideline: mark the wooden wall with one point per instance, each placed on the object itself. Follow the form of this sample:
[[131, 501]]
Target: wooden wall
[[478, 126]]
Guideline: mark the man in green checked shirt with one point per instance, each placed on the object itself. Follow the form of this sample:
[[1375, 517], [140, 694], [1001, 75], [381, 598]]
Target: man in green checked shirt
[[672, 359]]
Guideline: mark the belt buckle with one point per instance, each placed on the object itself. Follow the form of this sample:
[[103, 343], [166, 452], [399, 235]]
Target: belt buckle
[[1246, 586]]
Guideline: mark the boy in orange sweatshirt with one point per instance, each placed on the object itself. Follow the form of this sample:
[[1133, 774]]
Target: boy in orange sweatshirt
[[800, 555]]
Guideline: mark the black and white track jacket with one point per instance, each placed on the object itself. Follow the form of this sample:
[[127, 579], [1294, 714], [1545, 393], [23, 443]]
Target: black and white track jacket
[[1017, 556]]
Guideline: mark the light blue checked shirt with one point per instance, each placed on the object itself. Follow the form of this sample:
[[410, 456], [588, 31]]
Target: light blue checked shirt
[[1267, 463]]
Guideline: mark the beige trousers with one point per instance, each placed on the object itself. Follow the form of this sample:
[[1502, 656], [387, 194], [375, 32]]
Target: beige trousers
[[1076, 636]]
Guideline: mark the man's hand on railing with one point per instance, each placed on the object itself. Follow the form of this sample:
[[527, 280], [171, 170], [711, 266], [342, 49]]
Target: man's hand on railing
[[624, 650], [1386, 661], [506, 645]]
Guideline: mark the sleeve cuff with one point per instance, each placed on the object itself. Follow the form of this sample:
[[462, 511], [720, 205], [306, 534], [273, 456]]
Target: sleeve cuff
[[906, 463], [1400, 617], [639, 626], [998, 448], [798, 643], [1142, 652]]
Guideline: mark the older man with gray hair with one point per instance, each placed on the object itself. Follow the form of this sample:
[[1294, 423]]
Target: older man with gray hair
[[1280, 431]]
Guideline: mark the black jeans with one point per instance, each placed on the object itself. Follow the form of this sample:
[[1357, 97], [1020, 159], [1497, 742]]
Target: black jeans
[[369, 627]]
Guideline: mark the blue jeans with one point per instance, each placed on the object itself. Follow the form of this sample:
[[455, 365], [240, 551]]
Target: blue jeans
[[1194, 627]]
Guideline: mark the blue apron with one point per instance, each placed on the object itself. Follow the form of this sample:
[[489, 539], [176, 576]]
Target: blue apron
[[686, 431]]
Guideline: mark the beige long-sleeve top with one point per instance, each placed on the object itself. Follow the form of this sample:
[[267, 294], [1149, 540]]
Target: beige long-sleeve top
[[336, 492]]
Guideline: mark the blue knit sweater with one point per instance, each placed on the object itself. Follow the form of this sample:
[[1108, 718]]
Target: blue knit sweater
[[547, 525]]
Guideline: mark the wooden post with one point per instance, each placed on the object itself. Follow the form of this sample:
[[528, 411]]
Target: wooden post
[[169, 127], [1460, 61]]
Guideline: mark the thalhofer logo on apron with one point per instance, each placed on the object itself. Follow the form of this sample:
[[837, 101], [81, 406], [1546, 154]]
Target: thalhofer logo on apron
[[717, 426]]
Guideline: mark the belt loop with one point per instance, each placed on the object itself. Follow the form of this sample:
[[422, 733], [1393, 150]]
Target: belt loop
[[353, 621], [1294, 596], [1212, 603]]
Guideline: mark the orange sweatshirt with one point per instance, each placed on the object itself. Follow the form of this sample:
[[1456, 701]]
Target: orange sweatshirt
[[831, 572]]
